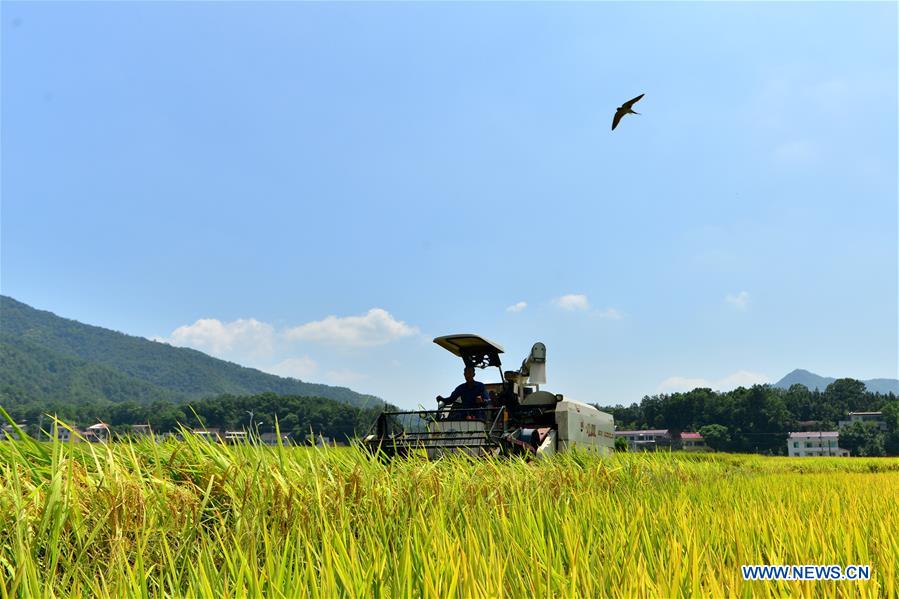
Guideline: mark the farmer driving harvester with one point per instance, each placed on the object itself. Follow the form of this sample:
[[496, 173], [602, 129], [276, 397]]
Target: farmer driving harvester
[[511, 417], [472, 393]]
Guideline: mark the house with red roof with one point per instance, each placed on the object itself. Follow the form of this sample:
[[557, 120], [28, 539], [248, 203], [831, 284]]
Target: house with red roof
[[693, 442]]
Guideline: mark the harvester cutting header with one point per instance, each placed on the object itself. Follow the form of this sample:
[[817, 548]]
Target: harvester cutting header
[[509, 417]]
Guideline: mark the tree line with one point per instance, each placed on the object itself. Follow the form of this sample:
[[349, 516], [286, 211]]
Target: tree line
[[756, 419], [295, 415], [760, 418]]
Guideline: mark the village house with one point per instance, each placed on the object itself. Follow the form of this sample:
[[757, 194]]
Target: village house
[[97, 433], [63, 434], [272, 438], [318, 440], [209, 434], [875, 418], [232, 437], [693, 442], [815, 443], [646, 440], [141, 430], [8, 431]]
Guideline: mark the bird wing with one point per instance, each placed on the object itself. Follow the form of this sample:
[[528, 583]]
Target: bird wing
[[618, 114], [627, 105]]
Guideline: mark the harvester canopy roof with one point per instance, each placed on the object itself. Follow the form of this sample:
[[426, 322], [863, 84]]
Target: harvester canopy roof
[[473, 349]]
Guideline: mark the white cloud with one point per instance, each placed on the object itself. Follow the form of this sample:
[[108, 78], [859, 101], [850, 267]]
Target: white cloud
[[377, 327], [344, 377], [243, 337], [572, 301], [300, 367], [739, 301], [517, 307], [610, 313], [741, 378], [679, 383]]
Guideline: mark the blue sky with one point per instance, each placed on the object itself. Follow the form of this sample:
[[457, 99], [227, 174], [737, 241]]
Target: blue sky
[[318, 190]]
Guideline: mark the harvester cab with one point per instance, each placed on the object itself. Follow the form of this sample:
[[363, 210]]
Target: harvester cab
[[518, 417]]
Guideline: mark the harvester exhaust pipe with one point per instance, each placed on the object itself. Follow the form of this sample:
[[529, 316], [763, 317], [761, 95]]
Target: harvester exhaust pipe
[[537, 364], [533, 368]]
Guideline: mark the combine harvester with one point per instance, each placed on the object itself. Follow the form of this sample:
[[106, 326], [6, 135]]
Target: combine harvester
[[519, 418]]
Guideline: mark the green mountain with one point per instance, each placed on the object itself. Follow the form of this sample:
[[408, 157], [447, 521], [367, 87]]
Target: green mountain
[[813, 381], [48, 359]]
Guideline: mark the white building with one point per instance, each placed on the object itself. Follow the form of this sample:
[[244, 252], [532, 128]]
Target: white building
[[62, 434], [141, 430], [646, 440], [815, 443], [213, 435], [232, 437], [8, 432], [272, 438], [318, 440], [875, 418]]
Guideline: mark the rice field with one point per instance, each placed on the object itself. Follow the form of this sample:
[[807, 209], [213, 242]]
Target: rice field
[[203, 520]]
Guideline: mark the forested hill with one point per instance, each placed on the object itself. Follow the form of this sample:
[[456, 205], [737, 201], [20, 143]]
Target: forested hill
[[48, 359]]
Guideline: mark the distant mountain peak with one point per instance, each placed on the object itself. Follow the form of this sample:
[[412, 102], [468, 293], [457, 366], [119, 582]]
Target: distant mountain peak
[[814, 381], [800, 371]]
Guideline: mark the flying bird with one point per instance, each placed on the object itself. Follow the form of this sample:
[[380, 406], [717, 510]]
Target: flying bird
[[624, 109]]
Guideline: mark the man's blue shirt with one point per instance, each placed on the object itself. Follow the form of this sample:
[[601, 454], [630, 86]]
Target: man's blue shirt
[[468, 394]]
